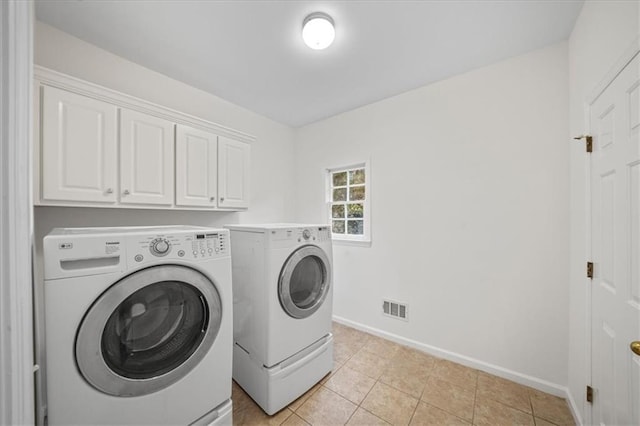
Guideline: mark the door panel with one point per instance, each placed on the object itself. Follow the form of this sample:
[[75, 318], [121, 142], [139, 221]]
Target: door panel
[[196, 167], [615, 195], [234, 173], [146, 159], [79, 148]]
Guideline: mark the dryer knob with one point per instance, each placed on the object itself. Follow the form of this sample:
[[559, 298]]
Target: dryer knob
[[306, 234]]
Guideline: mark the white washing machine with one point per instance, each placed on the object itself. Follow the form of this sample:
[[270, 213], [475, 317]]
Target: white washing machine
[[138, 326], [283, 304]]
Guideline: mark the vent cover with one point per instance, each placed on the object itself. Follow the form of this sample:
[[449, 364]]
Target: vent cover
[[395, 309]]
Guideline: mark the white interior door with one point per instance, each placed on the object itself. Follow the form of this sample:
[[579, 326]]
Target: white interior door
[[615, 209], [146, 159]]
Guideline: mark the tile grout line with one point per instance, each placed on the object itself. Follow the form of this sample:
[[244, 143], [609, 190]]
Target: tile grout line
[[475, 399], [531, 405]]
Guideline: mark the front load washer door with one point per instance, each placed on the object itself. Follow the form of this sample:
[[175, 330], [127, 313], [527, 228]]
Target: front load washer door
[[304, 281], [148, 330]]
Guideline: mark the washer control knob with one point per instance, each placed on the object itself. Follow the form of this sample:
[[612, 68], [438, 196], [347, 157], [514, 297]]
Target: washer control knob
[[306, 234], [159, 247]]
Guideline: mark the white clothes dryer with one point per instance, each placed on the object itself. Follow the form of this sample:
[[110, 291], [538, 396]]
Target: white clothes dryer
[[138, 325], [283, 305]]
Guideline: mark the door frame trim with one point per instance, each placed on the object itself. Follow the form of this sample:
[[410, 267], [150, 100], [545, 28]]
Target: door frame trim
[[628, 55], [17, 404]]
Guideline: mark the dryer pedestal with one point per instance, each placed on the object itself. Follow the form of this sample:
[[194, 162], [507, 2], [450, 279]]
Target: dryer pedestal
[[275, 387]]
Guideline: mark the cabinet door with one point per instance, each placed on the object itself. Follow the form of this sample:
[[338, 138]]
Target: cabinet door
[[79, 148], [233, 173], [146, 159], [196, 167]]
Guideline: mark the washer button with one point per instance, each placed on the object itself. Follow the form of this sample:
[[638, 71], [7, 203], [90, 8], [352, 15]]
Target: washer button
[[181, 253], [138, 258]]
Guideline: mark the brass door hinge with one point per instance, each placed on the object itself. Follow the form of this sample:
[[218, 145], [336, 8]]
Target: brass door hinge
[[590, 394], [590, 270], [588, 139]]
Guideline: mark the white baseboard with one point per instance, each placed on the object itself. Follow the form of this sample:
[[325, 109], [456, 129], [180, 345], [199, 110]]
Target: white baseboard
[[523, 379]]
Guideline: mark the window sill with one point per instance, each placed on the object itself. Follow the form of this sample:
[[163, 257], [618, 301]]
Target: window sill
[[355, 243]]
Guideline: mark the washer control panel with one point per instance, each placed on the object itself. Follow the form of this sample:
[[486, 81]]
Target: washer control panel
[[185, 245], [209, 244]]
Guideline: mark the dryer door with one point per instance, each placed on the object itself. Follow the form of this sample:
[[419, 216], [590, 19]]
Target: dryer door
[[305, 281], [148, 330]]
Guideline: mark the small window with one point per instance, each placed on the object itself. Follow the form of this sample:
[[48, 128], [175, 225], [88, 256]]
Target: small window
[[348, 190]]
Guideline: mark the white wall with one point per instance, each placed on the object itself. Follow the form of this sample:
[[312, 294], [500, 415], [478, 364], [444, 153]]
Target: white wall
[[603, 32], [271, 155], [470, 213]]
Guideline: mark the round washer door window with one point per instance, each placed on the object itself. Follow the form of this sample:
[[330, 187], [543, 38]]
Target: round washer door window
[[148, 330], [305, 280]]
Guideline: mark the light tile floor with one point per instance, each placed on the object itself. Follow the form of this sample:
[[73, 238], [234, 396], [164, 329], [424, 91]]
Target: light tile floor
[[378, 382]]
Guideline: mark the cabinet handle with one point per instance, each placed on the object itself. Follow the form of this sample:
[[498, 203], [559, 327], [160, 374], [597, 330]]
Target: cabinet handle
[[222, 199], [212, 199], [126, 192], [109, 191]]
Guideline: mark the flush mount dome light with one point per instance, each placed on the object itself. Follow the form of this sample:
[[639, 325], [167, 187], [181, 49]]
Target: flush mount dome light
[[317, 31]]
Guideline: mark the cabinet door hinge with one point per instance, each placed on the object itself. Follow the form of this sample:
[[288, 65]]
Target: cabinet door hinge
[[589, 141], [590, 270], [590, 394]]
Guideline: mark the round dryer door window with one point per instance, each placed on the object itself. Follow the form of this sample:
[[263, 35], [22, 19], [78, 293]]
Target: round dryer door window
[[304, 281], [148, 330]]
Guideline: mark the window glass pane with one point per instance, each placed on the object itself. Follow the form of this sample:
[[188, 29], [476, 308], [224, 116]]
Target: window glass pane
[[338, 227], [340, 179], [356, 193], [356, 176], [355, 227], [337, 211], [340, 194], [355, 210]]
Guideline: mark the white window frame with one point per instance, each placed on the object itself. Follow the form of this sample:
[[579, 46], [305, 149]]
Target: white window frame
[[365, 238]]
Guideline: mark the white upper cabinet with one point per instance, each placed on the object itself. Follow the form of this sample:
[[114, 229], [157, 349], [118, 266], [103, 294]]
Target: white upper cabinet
[[102, 148], [79, 148], [196, 167], [233, 173], [146, 159]]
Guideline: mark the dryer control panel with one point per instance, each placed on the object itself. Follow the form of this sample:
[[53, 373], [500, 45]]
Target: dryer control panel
[[289, 237], [313, 233]]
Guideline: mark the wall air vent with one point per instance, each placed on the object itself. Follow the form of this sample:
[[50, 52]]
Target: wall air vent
[[395, 309]]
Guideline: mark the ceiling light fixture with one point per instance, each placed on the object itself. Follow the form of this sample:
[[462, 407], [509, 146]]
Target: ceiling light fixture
[[317, 31]]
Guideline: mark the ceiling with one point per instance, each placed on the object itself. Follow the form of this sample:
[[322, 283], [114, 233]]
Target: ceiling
[[251, 53]]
